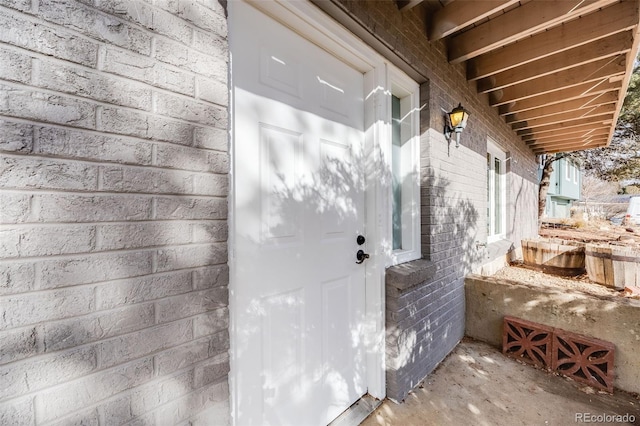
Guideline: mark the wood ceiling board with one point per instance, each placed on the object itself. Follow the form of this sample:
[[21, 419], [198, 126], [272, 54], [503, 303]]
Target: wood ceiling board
[[613, 19], [567, 125], [461, 13], [594, 71], [570, 141], [530, 18], [581, 136], [571, 148], [566, 117], [562, 107], [568, 144], [613, 45], [547, 99], [567, 134], [408, 4], [582, 131]]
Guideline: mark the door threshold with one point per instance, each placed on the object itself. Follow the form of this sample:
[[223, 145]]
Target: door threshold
[[359, 411]]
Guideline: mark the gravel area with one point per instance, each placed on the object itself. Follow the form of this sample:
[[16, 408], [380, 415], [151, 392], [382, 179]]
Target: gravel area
[[595, 232], [528, 276]]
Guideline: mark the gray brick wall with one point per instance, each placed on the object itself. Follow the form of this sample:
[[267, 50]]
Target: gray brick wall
[[113, 212], [424, 322]]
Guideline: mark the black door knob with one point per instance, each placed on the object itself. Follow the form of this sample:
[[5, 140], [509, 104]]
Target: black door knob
[[361, 256], [360, 240]]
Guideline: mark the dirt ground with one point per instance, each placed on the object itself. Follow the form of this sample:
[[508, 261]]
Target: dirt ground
[[593, 232], [520, 273], [477, 385], [597, 232]]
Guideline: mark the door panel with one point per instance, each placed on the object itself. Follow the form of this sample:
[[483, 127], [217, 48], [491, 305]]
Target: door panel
[[281, 165], [298, 207]]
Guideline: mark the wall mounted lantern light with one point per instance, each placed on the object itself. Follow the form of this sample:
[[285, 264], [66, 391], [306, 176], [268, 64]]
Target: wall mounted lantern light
[[456, 121]]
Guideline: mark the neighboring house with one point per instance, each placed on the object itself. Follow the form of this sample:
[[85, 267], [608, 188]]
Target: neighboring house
[[564, 188], [190, 190]]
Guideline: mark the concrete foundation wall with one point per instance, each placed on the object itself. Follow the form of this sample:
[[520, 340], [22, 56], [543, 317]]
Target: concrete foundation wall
[[425, 320], [113, 178], [613, 320]]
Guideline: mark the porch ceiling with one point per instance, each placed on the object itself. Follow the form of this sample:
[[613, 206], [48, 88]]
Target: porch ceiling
[[557, 70]]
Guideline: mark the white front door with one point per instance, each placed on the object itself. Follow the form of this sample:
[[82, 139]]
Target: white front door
[[298, 209]]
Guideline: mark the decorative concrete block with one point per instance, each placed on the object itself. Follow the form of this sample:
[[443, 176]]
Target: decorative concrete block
[[527, 341]]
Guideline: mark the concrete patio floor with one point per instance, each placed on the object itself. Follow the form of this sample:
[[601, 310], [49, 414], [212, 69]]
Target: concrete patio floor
[[477, 385]]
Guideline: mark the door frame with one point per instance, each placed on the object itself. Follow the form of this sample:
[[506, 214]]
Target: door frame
[[314, 25]]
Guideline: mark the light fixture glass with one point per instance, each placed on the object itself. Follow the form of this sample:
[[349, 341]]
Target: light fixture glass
[[458, 117], [456, 122]]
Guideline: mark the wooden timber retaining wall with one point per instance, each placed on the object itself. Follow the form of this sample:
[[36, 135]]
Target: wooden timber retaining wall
[[557, 257], [612, 266]]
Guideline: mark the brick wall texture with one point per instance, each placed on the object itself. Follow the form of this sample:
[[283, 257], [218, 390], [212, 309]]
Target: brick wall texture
[[113, 212], [425, 322]]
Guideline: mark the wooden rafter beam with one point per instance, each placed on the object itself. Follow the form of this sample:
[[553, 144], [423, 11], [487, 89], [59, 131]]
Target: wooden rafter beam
[[600, 135], [613, 45], [575, 92], [595, 131], [563, 107], [556, 69], [565, 117], [570, 142], [613, 19], [575, 131], [594, 71], [460, 14], [521, 22], [408, 4], [565, 125], [576, 146], [576, 134], [572, 148]]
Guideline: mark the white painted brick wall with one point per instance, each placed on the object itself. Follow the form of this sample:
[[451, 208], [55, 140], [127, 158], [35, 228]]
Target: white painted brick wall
[[113, 212]]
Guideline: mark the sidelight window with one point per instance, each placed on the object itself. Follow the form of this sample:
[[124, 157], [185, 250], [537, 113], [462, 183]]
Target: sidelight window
[[496, 192], [405, 169]]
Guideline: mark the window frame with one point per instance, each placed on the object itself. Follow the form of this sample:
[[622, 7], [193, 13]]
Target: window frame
[[408, 91], [494, 151]]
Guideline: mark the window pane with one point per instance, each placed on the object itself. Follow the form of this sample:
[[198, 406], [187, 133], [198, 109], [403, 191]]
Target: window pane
[[497, 196], [396, 170], [489, 194]]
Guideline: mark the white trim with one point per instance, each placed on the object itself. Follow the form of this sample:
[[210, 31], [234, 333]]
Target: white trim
[[376, 217], [231, 237], [314, 25], [311, 23], [402, 86]]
